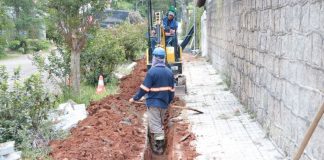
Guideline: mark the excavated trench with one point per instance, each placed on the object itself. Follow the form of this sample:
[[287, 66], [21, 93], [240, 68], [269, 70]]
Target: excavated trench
[[116, 129], [178, 137]]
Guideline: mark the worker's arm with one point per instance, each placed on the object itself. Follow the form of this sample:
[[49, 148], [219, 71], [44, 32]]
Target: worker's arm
[[144, 88], [165, 23]]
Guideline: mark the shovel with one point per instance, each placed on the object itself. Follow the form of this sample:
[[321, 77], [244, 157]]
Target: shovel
[[178, 107]]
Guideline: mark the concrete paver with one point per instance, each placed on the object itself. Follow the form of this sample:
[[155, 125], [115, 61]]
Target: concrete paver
[[224, 131]]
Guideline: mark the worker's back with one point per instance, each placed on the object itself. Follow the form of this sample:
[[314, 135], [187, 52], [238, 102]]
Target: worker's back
[[162, 91]]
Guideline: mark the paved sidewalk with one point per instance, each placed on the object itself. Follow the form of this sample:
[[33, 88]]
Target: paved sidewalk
[[224, 131]]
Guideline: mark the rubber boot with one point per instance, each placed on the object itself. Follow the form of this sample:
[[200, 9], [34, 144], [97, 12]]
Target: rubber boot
[[158, 147]]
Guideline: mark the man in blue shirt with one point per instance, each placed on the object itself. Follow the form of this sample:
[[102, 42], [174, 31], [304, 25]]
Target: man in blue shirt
[[159, 87], [170, 27]]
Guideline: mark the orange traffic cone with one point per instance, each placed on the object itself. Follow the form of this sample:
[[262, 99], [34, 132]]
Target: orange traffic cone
[[101, 87]]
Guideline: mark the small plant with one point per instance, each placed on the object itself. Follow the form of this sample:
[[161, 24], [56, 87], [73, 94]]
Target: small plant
[[227, 80], [237, 112], [224, 116], [57, 66]]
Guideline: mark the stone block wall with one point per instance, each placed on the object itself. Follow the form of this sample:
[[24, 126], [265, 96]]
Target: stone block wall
[[273, 53]]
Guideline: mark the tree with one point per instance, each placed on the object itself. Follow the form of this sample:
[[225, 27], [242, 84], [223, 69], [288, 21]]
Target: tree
[[73, 20], [25, 15], [5, 24]]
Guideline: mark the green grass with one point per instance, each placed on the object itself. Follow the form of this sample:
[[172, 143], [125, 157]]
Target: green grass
[[10, 56], [88, 93]]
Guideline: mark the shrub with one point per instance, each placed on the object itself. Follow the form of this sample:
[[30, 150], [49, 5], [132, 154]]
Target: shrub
[[57, 66], [23, 111], [2, 46], [132, 38], [14, 45], [37, 45], [101, 56]]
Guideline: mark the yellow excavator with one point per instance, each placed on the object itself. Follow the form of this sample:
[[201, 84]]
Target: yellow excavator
[[157, 38]]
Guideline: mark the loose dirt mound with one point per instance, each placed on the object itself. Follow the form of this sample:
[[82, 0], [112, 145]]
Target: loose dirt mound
[[113, 129]]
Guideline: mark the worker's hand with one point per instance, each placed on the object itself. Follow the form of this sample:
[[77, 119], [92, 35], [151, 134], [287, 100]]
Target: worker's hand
[[167, 34], [131, 100], [142, 99], [172, 31]]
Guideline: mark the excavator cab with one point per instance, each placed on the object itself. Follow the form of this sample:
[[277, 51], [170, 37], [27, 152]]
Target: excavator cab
[[157, 38]]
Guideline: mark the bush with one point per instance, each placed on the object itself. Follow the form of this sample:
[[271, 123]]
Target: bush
[[2, 46], [101, 56], [23, 111], [132, 38], [57, 66], [37, 45], [14, 45]]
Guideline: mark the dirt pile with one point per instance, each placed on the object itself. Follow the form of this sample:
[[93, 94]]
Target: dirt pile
[[113, 129]]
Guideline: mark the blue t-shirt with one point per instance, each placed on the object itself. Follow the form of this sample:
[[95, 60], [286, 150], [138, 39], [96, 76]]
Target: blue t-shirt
[[159, 86]]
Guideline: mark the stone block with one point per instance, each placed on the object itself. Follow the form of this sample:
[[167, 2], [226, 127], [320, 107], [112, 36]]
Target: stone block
[[299, 47], [272, 42], [317, 50], [283, 2], [317, 143], [285, 64], [301, 70], [271, 20], [258, 4], [275, 3], [278, 50], [7, 148], [288, 13], [296, 17], [282, 21], [13, 156], [304, 102], [291, 95], [308, 49], [311, 79], [277, 20], [322, 17], [315, 15], [305, 13], [285, 45], [262, 42], [320, 80]]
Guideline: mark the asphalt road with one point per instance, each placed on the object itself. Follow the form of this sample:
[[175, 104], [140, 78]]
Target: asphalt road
[[27, 68], [25, 63]]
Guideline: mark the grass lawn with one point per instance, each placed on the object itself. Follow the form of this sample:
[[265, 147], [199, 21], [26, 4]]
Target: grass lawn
[[10, 56], [88, 93]]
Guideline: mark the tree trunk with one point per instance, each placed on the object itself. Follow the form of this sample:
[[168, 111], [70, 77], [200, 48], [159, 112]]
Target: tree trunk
[[75, 70]]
